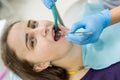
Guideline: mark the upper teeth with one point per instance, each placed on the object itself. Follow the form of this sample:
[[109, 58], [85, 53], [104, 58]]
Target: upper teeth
[[57, 36]]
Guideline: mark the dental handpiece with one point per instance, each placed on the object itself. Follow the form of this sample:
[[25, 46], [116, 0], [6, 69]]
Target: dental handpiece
[[58, 14], [54, 12]]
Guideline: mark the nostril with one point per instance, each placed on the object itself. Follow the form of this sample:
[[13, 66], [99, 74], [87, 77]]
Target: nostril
[[45, 32]]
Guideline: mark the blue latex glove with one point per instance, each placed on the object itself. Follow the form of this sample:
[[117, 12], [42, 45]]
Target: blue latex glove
[[94, 23], [48, 3]]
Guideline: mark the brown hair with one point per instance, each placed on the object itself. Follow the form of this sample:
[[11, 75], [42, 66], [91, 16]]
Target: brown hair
[[23, 68]]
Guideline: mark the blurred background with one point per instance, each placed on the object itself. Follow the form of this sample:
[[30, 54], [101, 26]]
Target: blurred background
[[30, 9]]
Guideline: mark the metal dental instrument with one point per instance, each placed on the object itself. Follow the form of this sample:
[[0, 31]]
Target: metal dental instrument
[[82, 33]]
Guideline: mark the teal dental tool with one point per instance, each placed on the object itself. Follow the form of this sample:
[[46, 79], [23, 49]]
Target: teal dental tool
[[54, 12], [57, 16]]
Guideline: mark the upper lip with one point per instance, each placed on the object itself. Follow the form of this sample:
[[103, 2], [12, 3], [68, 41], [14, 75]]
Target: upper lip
[[52, 31]]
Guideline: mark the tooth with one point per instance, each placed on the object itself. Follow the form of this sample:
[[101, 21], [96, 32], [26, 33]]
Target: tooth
[[60, 31], [58, 34]]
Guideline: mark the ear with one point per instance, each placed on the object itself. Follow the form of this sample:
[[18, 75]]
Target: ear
[[40, 66]]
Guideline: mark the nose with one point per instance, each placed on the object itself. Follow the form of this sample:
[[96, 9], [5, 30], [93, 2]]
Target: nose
[[41, 31]]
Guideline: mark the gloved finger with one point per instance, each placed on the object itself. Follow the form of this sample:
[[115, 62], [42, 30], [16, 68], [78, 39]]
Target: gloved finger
[[76, 39], [48, 3], [76, 26], [90, 39], [87, 41], [89, 31], [93, 39], [78, 36], [94, 35]]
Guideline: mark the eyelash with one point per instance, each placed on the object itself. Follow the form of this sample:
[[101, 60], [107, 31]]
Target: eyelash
[[34, 25], [32, 42]]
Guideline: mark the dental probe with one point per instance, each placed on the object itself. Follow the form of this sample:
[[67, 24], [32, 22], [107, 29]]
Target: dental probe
[[81, 33]]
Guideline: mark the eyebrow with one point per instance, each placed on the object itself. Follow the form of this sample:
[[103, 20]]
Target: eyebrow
[[26, 35], [28, 25], [26, 40]]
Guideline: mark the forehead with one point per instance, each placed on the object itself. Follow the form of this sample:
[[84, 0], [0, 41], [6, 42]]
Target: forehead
[[16, 38]]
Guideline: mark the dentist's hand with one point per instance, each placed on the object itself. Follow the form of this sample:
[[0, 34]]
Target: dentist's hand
[[93, 24], [48, 3]]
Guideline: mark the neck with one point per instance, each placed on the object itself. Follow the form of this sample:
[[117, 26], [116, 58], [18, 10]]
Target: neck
[[72, 61]]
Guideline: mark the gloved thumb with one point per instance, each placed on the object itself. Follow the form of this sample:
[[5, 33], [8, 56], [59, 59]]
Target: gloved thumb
[[76, 26], [78, 39]]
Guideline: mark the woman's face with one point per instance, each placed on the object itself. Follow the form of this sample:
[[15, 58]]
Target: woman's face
[[34, 41]]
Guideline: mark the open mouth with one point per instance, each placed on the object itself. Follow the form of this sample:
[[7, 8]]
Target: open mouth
[[57, 35]]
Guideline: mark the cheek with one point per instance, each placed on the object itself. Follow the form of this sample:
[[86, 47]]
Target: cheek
[[52, 50], [55, 47], [45, 47], [44, 50], [65, 47], [61, 48], [39, 55]]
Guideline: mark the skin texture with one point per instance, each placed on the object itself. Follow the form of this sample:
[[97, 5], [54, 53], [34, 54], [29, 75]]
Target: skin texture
[[41, 46], [40, 49], [46, 50], [115, 15]]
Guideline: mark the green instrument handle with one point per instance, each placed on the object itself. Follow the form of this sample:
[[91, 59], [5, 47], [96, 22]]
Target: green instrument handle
[[55, 17]]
